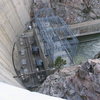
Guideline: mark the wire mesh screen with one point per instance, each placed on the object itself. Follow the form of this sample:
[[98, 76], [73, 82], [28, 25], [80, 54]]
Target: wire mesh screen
[[44, 12], [56, 34]]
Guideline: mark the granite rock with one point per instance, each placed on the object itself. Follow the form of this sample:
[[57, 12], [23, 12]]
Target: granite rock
[[75, 82]]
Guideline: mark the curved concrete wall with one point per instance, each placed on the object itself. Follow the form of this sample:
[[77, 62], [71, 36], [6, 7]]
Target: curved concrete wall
[[13, 16]]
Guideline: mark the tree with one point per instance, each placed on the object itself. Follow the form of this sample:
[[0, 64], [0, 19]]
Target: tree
[[59, 62]]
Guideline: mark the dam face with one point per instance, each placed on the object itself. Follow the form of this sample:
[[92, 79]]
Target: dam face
[[14, 14]]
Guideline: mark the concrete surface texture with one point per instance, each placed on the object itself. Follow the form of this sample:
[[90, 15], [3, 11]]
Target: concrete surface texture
[[14, 93], [13, 16]]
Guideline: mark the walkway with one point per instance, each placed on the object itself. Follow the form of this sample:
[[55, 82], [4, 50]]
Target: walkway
[[86, 28]]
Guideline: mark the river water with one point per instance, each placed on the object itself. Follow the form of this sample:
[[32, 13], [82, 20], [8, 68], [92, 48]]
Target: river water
[[87, 49]]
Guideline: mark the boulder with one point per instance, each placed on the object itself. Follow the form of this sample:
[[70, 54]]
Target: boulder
[[75, 82]]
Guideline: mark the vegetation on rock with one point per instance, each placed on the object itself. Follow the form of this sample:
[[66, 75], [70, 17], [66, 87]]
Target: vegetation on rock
[[59, 62]]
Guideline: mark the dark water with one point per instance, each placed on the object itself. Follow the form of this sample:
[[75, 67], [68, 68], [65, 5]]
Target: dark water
[[87, 49]]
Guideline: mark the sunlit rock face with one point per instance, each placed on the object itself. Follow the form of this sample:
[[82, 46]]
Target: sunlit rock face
[[75, 11], [75, 83]]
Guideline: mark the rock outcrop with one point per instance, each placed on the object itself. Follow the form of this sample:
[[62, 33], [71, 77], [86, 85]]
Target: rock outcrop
[[97, 56], [76, 11], [75, 83]]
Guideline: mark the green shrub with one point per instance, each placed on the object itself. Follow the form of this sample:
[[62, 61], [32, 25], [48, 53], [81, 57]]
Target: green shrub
[[59, 62]]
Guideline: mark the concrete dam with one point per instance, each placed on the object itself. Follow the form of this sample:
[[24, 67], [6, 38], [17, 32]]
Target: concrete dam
[[14, 14], [37, 41]]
